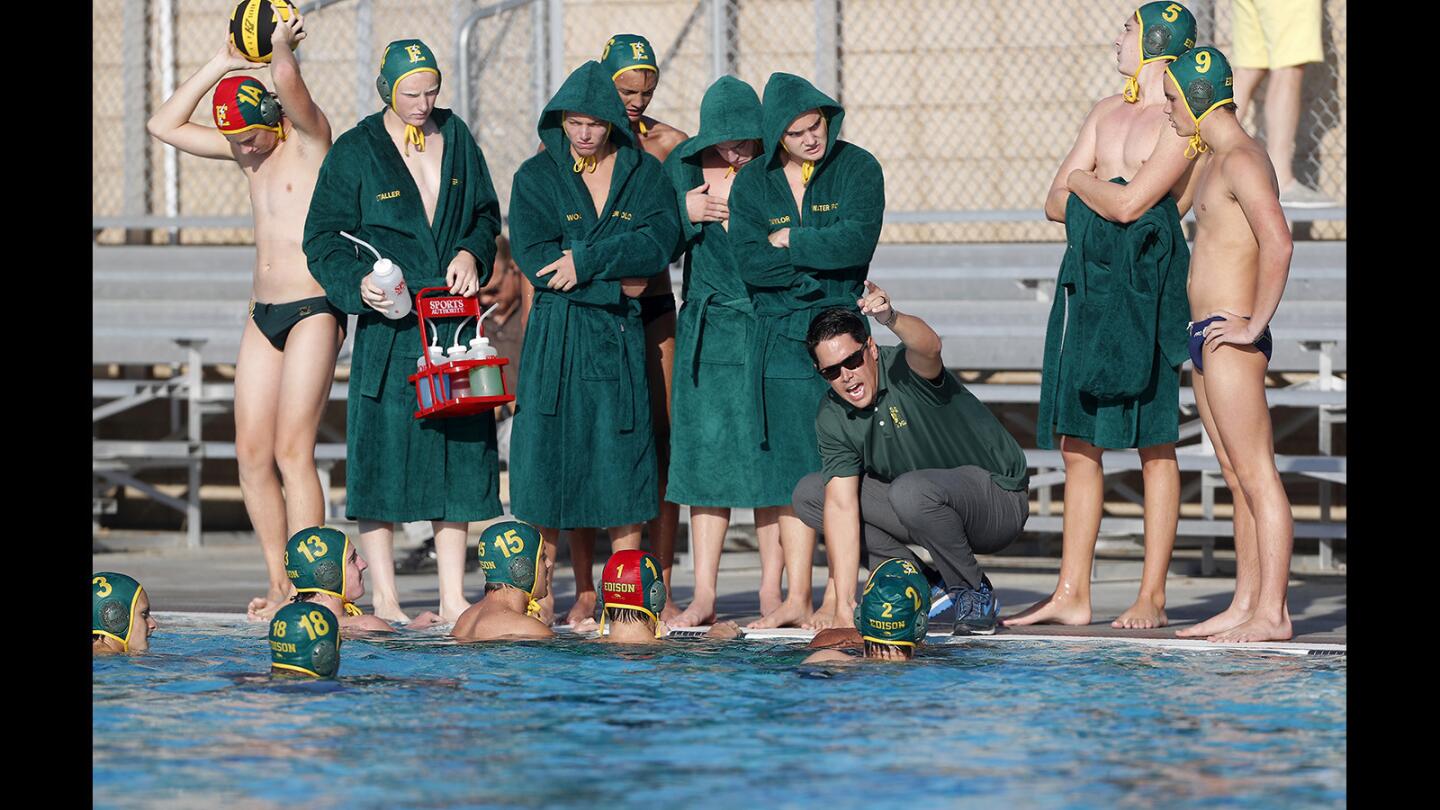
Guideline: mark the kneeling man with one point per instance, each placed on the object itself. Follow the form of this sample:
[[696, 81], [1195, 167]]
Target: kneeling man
[[910, 454]]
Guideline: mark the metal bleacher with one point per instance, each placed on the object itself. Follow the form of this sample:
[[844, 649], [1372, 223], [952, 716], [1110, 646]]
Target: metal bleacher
[[184, 307]]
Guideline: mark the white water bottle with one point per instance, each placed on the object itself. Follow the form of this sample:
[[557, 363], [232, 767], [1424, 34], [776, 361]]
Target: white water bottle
[[460, 380], [484, 380], [388, 278]]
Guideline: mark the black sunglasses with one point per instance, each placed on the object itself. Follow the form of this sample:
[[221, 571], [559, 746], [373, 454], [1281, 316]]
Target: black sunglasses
[[852, 362]]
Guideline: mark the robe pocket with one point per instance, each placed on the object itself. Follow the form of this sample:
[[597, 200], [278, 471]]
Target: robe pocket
[[787, 359], [598, 353], [373, 342], [724, 339]]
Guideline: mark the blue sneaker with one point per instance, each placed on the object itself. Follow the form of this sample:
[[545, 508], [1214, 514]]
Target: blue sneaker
[[940, 600], [977, 611]]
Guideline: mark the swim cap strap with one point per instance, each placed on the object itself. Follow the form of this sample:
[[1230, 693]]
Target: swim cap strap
[[585, 164], [413, 134], [1132, 90], [729, 171], [643, 129], [807, 168], [532, 609], [1196, 147]]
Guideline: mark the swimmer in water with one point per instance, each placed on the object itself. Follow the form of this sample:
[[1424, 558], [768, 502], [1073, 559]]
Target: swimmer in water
[[632, 596], [891, 617], [305, 640], [120, 621], [517, 574], [326, 569]]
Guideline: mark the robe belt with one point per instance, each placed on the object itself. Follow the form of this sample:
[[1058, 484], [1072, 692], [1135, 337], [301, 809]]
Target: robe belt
[[767, 319], [552, 363], [702, 308]]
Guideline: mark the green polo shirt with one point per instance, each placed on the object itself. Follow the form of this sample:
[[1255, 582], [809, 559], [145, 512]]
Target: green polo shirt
[[915, 424]]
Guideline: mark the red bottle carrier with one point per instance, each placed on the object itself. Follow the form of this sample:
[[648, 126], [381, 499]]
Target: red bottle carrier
[[450, 306]]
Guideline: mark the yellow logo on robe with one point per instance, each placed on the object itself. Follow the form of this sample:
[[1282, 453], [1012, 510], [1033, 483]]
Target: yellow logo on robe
[[897, 418]]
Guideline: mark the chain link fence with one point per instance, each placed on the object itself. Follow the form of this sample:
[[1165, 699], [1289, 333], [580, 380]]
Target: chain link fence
[[969, 105]]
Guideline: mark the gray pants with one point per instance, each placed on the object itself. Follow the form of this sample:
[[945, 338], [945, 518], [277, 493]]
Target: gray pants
[[954, 514]]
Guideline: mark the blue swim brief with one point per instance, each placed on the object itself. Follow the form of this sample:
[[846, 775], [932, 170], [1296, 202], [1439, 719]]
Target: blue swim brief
[[1265, 343]]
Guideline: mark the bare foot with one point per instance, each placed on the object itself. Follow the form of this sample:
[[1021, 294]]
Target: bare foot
[[391, 612], [583, 609], [670, 611], [1256, 629], [451, 612], [789, 614], [769, 600], [1052, 609], [697, 614], [1145, 614], [585, 625], [1233, 616], [824, 621]]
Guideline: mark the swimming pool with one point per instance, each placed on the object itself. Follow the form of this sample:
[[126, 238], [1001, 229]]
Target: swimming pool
[[421, 721]]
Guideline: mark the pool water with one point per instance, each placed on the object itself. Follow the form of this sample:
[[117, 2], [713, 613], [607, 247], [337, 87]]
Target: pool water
[[419, 721]]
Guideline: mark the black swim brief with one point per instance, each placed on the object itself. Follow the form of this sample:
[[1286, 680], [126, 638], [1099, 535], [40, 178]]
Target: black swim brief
[[652, 307], [1265, 343], [276, 320]]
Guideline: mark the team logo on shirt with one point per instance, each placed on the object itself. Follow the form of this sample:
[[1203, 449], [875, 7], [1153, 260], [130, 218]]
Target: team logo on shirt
[[822, 208], [897, 418]]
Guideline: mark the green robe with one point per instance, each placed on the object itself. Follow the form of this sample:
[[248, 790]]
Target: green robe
[[1117, 331], [399, 468], [826, 265], [583, 451], [713, 461]]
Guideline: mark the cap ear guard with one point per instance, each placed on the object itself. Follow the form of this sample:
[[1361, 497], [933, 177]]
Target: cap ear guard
[[382, 86], [1156, 40], [270, 109]]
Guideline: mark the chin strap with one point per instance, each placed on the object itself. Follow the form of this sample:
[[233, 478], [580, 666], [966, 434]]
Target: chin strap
[[415, 136], [532, 609], [1197, 147], [729, 171], [807, 168], [643, 129], [1132, 90], [352, 610], [585, 164]]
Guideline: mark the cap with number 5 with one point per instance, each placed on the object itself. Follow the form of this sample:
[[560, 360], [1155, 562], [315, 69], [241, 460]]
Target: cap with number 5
[[305, 638]]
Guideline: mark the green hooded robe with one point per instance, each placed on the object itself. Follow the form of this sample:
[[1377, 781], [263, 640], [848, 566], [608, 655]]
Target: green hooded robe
[[583, 452], [1117, 331], [827, 262], [713, 461], [397, 467]]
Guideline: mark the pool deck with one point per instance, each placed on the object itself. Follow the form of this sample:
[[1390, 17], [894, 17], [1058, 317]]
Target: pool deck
[[227, 571]]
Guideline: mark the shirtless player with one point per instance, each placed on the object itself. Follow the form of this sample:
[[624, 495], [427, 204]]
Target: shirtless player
[[1240, 265], [1126, 135], [287, 352]]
